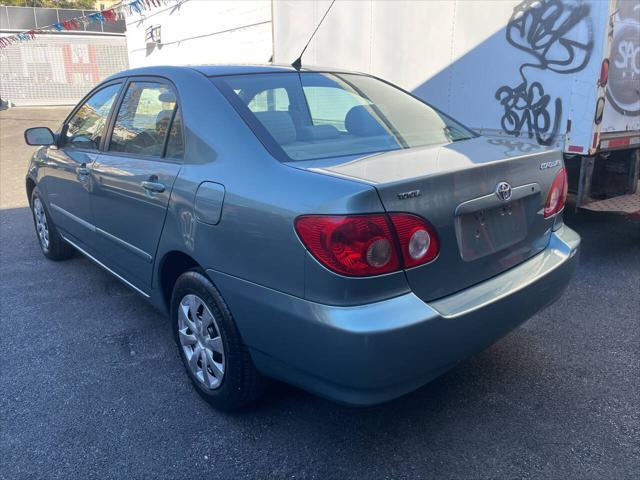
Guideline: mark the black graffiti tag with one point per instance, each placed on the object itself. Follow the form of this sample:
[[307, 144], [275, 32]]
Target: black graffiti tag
[[526, 108], [560, 38], [540, 28]]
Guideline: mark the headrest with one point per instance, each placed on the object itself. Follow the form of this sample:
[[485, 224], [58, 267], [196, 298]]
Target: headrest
[[279, 124], [318, 132], [360, 122], [163, 116], [167, 97]]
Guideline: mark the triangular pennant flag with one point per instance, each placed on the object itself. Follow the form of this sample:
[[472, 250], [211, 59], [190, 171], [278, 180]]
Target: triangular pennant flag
[[108, 15], [135, 5]]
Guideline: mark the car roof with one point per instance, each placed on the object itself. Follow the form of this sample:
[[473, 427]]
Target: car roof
[[219, 70], [222, 70]]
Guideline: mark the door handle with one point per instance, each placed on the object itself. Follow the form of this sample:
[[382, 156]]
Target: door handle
[[153, 187]]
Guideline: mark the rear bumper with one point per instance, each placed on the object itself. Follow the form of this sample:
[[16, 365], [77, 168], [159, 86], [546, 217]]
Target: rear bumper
[[373, 353]]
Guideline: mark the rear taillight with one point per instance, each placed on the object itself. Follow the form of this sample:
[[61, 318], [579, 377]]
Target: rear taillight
[[418, 240], [354, 245], [557, 195], [365, 245]]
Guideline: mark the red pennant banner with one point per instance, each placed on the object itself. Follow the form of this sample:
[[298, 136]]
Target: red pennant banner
[[109, 15], [70, 24]]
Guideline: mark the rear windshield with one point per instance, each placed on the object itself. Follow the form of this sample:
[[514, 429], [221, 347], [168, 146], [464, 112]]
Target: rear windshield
[[308, 116]]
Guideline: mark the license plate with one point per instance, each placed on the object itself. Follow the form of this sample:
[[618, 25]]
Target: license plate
[[484, 232]]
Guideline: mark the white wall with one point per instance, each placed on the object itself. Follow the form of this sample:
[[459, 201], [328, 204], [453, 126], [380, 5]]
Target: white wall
[[455, 54], [203, 31]]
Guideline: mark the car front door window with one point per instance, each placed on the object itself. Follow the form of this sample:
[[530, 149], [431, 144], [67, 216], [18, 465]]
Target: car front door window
[[86, 127]]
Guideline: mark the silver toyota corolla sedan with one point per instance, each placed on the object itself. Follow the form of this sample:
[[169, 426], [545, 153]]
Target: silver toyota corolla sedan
[[321, 227]]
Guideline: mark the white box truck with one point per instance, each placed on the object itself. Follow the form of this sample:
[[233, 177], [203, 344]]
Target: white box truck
[[564, 73]]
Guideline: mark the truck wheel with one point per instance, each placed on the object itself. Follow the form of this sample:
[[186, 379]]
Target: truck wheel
[[215, 358], [51, 243]]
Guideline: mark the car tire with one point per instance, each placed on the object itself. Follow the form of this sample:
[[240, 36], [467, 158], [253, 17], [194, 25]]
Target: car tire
[[51, 242], [209, 343]]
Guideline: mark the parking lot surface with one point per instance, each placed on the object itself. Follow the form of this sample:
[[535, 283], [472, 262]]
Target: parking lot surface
[[91, 384]]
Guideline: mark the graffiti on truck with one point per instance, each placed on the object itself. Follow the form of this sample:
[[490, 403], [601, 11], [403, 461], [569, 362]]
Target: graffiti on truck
[[559, 37], [623, 91]]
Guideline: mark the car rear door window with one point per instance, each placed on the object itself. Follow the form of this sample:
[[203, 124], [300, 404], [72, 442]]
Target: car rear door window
[[86, 127], [143, 119]]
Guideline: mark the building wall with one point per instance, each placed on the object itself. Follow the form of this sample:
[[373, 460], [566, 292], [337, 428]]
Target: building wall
[[58, 69], [201, 31]]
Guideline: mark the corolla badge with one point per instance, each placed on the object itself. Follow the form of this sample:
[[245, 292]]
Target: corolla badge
[[410, 194], [503, 191], [545, 165]]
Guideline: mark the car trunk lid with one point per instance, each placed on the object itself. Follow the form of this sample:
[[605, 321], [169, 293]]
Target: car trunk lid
[[454, 186]]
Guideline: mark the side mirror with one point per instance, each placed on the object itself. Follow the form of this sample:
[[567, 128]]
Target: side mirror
[[39, 136]]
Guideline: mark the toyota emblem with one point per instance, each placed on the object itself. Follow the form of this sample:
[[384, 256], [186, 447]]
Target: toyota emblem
[[503, 191]]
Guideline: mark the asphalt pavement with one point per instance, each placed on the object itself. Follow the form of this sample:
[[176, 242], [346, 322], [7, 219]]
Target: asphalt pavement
[[91, 384]]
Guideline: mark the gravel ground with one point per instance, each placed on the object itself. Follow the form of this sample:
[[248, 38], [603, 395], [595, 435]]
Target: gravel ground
[[91, 384]]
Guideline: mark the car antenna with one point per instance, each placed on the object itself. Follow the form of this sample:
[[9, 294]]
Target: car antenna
[[297, 63]]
